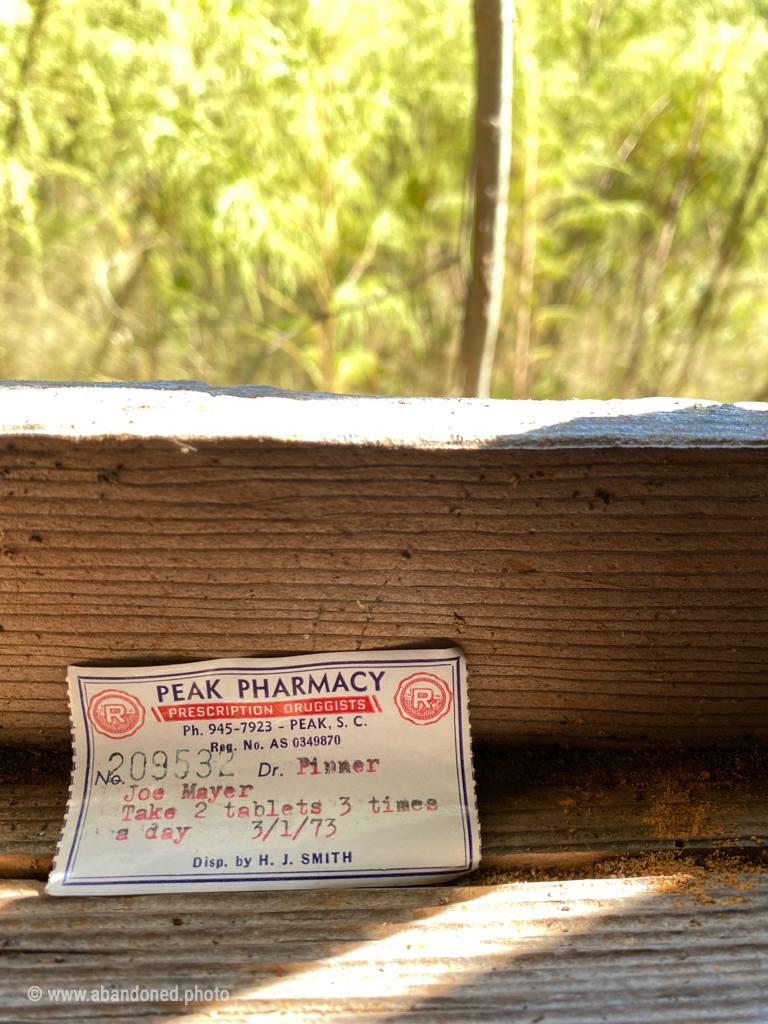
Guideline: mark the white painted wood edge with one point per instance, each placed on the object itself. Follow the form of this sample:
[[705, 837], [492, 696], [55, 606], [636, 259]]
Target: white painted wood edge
[[189, 411]]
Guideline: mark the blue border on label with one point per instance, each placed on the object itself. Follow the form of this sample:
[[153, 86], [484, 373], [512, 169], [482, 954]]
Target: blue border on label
[[405, 872]]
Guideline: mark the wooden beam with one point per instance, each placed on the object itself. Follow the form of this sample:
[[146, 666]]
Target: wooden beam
[[619, 597], [603, 565], [185, 410], [632, 951]]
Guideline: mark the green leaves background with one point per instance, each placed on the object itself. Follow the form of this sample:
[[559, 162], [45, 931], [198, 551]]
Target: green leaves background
[[277, 193]]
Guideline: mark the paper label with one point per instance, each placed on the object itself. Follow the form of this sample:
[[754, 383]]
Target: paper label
[[348, 769]]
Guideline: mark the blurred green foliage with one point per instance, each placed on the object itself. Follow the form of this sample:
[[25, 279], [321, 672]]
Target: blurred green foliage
[[244, 191]]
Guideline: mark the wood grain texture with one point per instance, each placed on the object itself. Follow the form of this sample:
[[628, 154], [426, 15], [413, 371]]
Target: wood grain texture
[[628, 951], [613, 597]]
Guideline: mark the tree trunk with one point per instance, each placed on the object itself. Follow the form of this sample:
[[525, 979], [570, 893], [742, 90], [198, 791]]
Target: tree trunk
[[493, 144], [522, 375]]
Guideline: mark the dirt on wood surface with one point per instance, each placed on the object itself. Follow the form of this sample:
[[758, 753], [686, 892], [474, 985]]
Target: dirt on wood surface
[[722, 878], [20, 765], [673, 784], [562, 766]]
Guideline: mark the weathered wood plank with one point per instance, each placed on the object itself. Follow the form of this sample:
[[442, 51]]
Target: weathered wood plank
[[604, 567], [602, 594], [189, 409], [632, 951]]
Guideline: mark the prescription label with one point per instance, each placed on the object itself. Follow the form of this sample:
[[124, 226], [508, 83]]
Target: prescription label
[[343, 769]]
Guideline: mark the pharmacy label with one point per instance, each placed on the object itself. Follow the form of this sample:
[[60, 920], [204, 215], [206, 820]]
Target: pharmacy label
[[344, 769]]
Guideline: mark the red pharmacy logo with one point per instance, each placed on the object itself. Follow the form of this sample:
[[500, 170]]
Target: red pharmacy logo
[[116, 714], [423, 698]]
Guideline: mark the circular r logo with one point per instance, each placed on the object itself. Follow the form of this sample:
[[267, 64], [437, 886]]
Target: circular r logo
[[116, 714], [423, 698]]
